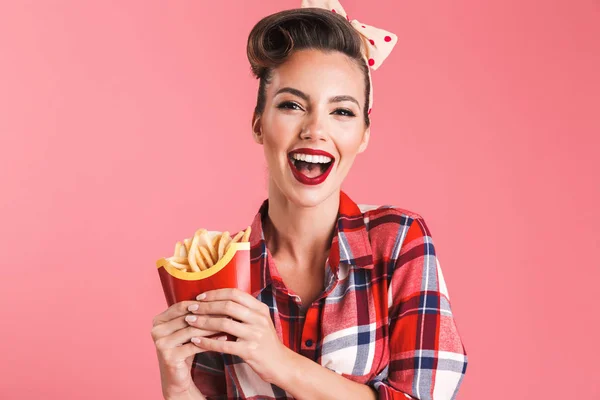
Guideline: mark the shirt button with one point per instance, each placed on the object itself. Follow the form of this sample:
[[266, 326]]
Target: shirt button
[[308, 343]]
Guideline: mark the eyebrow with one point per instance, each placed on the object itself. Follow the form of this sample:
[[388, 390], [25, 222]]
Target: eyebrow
[[305, 97]]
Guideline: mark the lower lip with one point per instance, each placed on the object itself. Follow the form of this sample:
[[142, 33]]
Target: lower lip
[[305, 179]]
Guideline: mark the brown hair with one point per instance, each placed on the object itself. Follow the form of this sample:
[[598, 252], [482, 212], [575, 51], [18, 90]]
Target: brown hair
[[276, 36]]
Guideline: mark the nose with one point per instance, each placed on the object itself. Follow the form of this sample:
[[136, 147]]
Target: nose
[[314, 129]]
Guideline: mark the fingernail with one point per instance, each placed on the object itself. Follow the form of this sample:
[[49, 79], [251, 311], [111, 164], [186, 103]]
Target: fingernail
[[196, 340], [191, 318], [201, 296], [193, 307]]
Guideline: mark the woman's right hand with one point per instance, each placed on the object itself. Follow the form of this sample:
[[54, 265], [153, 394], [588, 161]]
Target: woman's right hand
[[172, 338]]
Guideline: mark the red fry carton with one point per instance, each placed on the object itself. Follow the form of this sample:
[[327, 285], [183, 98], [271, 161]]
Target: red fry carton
[[231, 271]]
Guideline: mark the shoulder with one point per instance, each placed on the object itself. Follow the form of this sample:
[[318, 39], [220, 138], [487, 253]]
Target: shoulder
[[389, 229], [388, 216]]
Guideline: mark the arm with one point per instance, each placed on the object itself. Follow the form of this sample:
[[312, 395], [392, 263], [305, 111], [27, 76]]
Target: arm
[[306, 379], [427, 357]]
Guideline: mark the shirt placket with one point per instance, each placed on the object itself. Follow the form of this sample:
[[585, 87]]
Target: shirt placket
[[310, 331]]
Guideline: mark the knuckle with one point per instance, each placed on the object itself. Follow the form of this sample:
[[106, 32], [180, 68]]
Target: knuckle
[[235, 294], [264, 320], [229, 306], [183, 305], [156, 321], [154, 333], [160, 343], [167, 356], [225, 323], [191, 331], [226, 347]]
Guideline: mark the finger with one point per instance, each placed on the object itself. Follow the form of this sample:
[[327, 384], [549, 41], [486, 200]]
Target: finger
[[182, 337], [174, 311], [222, 346], [235, 295], [221, 324], [224, 307], [168, 328], [185, 351]]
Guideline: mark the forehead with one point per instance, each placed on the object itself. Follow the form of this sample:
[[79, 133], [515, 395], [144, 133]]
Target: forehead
[[315, 72]]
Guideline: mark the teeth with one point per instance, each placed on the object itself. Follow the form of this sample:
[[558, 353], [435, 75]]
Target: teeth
[[311, 158]]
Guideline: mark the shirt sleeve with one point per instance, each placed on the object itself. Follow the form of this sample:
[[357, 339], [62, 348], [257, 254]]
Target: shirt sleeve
[[208, 374], [427, 357]]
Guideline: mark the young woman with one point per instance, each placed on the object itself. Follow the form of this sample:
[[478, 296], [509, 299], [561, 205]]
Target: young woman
[[348, 302]]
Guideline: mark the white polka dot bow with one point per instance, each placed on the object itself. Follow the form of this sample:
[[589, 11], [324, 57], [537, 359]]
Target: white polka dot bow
[[379, 42]]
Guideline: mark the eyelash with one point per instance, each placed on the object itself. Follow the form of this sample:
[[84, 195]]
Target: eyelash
[[350, 113]]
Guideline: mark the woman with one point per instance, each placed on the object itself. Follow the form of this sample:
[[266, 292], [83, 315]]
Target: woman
[[348, 302]]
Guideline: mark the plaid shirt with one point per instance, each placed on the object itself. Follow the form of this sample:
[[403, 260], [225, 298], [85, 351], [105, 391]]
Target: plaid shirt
[[384, 319]]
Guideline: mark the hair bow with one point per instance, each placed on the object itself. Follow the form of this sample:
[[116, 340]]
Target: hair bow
[[379, 42]]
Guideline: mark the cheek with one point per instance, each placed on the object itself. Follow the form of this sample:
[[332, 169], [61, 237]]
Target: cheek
[[274, 147], [278, 135], [349, 145]]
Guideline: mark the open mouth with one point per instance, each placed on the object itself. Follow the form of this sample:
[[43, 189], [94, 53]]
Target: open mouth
[[310, 167]]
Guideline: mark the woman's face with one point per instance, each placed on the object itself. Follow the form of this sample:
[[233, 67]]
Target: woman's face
[[314, 104]]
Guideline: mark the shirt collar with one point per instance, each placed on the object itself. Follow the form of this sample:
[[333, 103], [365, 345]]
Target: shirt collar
[[350, 244]]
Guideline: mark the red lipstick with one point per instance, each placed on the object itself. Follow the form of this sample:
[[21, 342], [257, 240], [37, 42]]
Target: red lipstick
[[303, 178]]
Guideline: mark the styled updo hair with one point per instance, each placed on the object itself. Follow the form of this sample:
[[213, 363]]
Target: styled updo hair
[[274, 38]]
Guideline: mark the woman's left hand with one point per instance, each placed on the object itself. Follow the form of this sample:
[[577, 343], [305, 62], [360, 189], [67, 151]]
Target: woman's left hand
[[250, 321]]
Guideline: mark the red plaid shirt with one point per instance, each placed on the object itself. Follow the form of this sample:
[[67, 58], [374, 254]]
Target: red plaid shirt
[[384, 319]]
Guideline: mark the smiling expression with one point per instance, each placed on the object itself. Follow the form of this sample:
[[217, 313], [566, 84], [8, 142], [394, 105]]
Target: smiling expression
[[312, 126]]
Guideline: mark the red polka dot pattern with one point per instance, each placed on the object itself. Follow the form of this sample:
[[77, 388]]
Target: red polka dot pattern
[[371, 61], [387, 39], [372, 42]]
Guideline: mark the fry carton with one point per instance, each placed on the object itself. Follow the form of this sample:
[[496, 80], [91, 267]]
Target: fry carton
[[211, 260]]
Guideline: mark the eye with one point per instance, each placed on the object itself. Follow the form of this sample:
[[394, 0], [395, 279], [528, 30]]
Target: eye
[[348, 112], [289, 106]]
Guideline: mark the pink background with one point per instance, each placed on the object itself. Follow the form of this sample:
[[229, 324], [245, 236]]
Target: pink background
[[125, 127]]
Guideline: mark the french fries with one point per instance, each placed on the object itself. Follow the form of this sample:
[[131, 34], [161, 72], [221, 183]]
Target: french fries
[[201, 252]]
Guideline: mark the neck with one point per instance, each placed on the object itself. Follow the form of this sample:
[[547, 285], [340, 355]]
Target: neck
[[299, 234]]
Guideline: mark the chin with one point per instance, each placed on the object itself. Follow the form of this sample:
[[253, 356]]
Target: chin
[[306, 197]]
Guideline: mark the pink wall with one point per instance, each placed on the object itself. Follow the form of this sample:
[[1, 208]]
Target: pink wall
[[485, 122]]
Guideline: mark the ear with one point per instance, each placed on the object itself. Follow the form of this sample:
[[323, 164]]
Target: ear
[[257, 129], [365, 140]]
